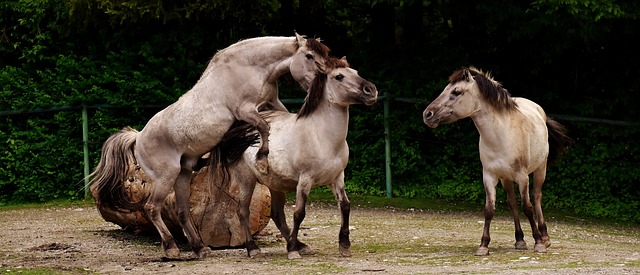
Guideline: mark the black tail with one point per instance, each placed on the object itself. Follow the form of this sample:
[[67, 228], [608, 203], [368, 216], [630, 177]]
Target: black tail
[[113, 170], [240, 136], [559, 141]]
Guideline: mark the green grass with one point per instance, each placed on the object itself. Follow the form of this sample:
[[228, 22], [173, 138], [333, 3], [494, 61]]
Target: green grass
[[55, 203]]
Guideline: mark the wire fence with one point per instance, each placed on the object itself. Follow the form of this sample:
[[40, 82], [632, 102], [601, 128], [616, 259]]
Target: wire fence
[[386, 108]]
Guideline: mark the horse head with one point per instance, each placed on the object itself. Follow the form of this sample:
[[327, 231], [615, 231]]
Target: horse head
[[461, 97], [346, 87], [341, 84], [308, 59]]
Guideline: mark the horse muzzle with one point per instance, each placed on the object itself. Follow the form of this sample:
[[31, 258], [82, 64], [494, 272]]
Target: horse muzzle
[[369, 94], [430, 119]]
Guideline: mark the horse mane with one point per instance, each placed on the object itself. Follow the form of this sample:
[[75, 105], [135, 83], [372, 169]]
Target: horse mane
[[316, 46], [492, 91], [315, 94]]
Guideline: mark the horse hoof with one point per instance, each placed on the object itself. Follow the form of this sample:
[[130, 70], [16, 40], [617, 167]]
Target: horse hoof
[[254, 252], [203, 253], [345, 251], [482, 251], [521, 245], [172, 253], [540, 248], [306, 250], [546, 241], [294, 255]]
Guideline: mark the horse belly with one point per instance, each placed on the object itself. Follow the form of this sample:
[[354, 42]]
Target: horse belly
[[191, 128]]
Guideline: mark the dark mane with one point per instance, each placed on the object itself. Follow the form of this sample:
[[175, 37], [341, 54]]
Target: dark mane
[[315, 93], [316, 46], [492, 91]]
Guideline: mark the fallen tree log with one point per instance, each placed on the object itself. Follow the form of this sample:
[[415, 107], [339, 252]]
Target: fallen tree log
[[213, 209]]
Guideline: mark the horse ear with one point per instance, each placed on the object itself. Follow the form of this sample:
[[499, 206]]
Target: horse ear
[[344, 58], [300, 39], [467, 74]]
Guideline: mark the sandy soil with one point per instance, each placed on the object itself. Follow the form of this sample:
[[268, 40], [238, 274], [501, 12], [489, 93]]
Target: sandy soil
[[391, 241]]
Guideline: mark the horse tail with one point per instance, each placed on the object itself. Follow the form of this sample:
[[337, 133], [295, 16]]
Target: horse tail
[[240, 136], [559, 141], [112, 171]]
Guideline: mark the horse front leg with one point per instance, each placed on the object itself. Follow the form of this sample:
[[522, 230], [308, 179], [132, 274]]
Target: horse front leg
[[344, 244], [513, 205], [280, 220], [527, 208], [293, 249], [249, 114], [490, 183]]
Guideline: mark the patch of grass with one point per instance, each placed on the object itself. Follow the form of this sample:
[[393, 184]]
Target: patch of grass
[[308, 266], [43, 271], [284, 262], [324, 267], [56, 203], [323, 195]]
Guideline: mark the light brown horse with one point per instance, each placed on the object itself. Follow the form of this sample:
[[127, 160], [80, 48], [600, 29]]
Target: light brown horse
[[308, 149], [516, 139], [239, 81]]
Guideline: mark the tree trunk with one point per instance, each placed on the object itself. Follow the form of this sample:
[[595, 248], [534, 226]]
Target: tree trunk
[[213, 210]]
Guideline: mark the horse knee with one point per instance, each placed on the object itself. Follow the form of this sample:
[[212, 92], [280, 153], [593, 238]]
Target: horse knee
[[527, 208], [488, 212], [345, 206]]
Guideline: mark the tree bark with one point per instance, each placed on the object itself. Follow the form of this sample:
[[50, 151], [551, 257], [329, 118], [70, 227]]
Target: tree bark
[[213, 209]]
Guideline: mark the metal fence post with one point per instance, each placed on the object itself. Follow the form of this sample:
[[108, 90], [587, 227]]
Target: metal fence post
[[85, 148], [387, 145]]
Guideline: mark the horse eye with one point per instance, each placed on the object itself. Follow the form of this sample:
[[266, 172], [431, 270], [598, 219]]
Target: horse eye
[[309, 56], [339, 77], [456, 93]]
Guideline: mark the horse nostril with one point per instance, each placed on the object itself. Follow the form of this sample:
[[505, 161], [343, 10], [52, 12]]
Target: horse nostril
[[367, 90], [428, 115]]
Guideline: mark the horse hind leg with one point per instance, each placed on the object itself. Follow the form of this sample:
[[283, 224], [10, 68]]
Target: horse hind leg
[[513, 205], [182, 190], [539, 176], [527, 208], [153, 209]]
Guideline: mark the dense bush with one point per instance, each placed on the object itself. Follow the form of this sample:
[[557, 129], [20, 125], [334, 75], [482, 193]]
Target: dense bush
[[138, 57]]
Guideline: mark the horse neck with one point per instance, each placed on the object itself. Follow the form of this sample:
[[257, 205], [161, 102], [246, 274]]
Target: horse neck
[[330, 121], [269, 54], [493, 126]]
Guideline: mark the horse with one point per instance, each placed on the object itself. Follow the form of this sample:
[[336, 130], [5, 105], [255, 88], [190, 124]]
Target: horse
[[308, 149], [516, 139], [239, 81]]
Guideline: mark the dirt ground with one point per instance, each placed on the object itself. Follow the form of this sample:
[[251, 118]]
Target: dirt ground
[[391, 241]]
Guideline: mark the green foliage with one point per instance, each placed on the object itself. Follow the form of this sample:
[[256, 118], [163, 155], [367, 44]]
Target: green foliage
[[143, 55]]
